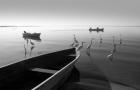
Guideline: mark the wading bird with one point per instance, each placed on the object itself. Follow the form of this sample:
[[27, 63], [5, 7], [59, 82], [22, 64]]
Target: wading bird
[[80, 46], [89, 46]]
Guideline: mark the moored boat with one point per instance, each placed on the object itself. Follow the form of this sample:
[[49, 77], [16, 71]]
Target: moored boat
[[44, 72], [31, 35], [96, 29]]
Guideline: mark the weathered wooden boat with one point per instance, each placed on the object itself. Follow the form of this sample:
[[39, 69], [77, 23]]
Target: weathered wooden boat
[[44, 72], [31, 35], [97, 29]]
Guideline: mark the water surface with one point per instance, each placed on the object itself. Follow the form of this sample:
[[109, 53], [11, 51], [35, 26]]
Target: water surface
[[115, 53]]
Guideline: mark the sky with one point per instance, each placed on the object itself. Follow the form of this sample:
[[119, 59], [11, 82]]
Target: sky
[[69, 12]]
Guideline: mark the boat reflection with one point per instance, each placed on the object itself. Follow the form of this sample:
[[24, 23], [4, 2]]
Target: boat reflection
[[73, 78]]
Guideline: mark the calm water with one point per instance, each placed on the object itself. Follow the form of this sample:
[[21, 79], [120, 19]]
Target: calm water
[[114, 52]]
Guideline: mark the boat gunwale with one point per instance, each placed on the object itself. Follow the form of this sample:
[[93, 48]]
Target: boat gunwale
[[39, 85]]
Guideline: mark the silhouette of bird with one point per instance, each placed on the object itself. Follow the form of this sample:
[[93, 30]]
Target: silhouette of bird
[[80, 46], [112, 52], [89, 46], [75, 40]]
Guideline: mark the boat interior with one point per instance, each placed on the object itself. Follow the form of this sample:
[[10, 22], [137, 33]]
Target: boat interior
[[27, 74]]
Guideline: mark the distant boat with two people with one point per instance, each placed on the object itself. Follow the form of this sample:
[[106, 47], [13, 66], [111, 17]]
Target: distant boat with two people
[[96, 29]]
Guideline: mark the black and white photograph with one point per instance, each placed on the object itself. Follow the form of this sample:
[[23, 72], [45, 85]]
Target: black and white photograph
[[69, 44]]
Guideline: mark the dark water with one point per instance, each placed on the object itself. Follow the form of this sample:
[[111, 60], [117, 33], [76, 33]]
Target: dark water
[[114, 53]]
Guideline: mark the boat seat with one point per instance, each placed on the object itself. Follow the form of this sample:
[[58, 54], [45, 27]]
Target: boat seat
[[44, 70]]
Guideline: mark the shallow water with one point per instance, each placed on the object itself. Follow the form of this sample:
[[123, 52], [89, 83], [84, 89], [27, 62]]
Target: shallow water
[[121, 67]]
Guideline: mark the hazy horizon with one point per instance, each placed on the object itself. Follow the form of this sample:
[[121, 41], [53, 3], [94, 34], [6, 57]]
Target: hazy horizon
[[70, 12]]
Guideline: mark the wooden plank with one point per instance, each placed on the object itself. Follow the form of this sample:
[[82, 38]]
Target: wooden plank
[[44, 70]]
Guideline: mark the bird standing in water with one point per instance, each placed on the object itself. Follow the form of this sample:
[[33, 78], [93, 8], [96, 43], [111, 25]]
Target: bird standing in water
[[75, 42], [80, 46], [89, 46], [111, 55]]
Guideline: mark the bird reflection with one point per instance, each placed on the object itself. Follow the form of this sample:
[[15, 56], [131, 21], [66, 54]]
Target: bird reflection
[[75, 40], [120, 39], [31, 42], [89, 46], [113, 39], [32, 47], [25, 51], [101, 40], [88, 51]]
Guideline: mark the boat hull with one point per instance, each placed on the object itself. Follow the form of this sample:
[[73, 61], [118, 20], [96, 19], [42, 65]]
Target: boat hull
[[31, 34], [97, 30], [56, 81], [47, 71]]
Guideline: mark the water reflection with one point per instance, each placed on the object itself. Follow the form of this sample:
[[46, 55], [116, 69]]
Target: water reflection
[[112, 52], [88, 49], [30, 44], [73, 78], [98, 77], [80, 46], [120, 39], [101, 39], [32, 38]]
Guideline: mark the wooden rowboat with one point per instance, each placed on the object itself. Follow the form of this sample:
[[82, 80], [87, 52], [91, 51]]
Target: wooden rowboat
[[31, 35], [44, 72], [97, 29]]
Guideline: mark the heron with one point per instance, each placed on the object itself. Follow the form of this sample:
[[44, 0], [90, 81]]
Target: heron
[[89, 46], [75, 40], [80, 46], [112, 52]]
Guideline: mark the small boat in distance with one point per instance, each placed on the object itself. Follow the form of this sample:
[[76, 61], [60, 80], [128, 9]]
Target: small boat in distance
[[25, 34], [96, 29], [43, 72]]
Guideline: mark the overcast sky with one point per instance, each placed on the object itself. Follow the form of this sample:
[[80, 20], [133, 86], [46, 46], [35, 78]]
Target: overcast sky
[[69, 12]]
